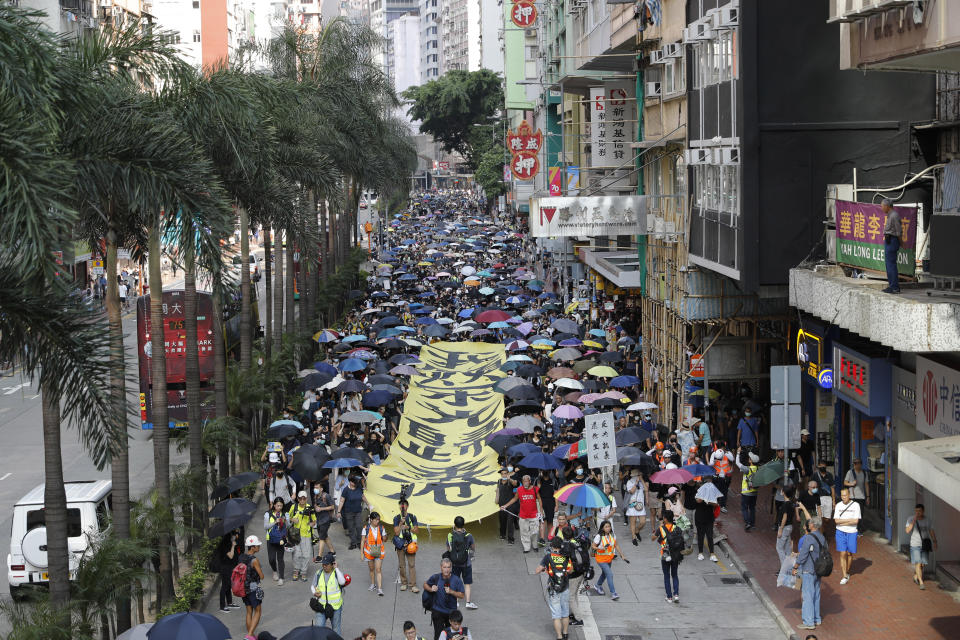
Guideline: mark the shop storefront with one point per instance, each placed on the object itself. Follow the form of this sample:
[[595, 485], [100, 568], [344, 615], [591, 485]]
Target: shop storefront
[[862, 385], [813, 349], [902, 497]]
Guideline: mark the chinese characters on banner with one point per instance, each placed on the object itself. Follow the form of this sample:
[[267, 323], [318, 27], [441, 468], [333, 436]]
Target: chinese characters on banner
[[524, 146], [860, 236], [601, 441], [523, 13], [440, 459], [613, 109], [938, 406]]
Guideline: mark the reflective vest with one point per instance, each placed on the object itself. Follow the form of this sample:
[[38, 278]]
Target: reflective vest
[[723, 467], [744, 484], [605, 550], [330, 591], [373, 540]]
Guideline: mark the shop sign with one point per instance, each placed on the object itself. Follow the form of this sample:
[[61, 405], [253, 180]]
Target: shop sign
[[523, 14], [863, 382], [588, 216], [613, 109], [825, 378], [904, 395], [938, 406], [809, 353], [96, 267], [696, 365], [860, 236], [524, 145]]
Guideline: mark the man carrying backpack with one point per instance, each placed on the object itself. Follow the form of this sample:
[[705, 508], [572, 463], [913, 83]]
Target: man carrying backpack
[[462, 546], [558, 568], [440, 594], [671, 553], [812, 565]]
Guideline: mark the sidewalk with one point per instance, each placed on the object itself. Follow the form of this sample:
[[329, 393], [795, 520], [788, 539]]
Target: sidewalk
[[880, 600]]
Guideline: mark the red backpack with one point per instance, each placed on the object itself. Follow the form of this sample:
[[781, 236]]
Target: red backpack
[[239, 584]]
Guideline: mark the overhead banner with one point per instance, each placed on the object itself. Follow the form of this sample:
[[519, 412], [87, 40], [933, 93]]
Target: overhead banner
[[588, 216], [860, 236], [440, 459]]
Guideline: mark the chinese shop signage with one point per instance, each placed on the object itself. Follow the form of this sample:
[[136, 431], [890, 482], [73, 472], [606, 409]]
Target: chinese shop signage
[[937, 399], [860, 236], [861, 381], [524, 146], [523, 13], [613, 115]]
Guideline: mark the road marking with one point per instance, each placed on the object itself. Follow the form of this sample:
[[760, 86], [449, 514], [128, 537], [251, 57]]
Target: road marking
[[5, 476], [14, 389], [35, 397]]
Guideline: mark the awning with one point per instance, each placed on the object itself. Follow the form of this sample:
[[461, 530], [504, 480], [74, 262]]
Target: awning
[[935, 464]]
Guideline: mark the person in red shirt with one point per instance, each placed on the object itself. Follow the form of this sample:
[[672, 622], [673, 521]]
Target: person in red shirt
[[530, 509]]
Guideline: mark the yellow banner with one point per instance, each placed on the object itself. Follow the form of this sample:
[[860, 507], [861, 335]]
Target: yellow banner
[[440, 453]]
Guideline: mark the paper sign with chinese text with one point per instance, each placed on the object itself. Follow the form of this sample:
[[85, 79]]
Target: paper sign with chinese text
[[599, 431], [613, 115], [860, 236]]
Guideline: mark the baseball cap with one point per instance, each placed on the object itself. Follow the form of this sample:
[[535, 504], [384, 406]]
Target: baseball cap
[[302, 494], [754, 457], [328, 558], [252, 541], [273, 457], [667, 453], [804, 432]]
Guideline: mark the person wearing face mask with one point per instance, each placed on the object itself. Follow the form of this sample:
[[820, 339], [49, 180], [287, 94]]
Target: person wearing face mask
[[324, 508], [809, 503], [748, 430], [505, 487], [548, 485], [825, 489]]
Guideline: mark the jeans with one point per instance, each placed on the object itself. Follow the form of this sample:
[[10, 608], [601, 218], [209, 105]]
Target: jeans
[[606, 573], [275, 553], [891, 245], [302, 554], [506, 525], [320, 620], [351, 522], [408, 567], [785, 543], [748, 508], [810, 599], [670, 570]]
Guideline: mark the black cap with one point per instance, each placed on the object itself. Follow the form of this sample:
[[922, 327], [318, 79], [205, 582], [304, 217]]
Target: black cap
[[328, 558]]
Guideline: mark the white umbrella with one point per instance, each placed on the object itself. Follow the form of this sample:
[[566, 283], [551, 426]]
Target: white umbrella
[[641, 406], [444, 321], [468, 270], [303, 373], [333, 384], [569, 383], [708, 493], [464, 328], [138, 632], [412, 342]]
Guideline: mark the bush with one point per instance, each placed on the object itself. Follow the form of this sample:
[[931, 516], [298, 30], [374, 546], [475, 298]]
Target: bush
[[191, 586]]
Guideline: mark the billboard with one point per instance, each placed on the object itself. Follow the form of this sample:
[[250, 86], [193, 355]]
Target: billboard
[[588, 216], [860, 236], [174, 339]]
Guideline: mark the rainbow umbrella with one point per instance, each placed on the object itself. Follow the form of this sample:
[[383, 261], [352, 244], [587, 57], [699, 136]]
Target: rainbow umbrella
[[581, 494]]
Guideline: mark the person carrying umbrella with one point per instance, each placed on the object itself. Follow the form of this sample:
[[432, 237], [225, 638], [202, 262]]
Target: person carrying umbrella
[[703, 518], [302, 520], [328, 584]]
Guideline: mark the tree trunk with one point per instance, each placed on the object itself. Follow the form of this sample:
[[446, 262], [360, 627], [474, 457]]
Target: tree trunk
[[192, 376], [291, 309], [158, 411], [246, 346], [278, 289], [120, 464], [54, 499], [267, 297], [220, 373]]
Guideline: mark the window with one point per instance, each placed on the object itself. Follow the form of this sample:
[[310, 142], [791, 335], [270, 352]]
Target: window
[[707, 186], [531, 52], [672, 76], [196, 4], [196, 35], [730, 189], [680, 176], [103, 512], [37, 518], [655, 179]]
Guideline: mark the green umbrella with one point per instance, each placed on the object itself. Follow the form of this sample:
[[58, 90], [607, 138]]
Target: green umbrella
[[768, 473]]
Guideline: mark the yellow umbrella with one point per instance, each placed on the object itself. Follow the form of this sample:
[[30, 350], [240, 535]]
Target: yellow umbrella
[[471, 283], [714, 394], [591, 343], [542, 347], [603, 372], [424, 263], [572, 307]]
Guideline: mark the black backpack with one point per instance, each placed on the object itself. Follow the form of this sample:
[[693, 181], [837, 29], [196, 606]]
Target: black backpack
[[675, 543], [823, 563], [459, 549]]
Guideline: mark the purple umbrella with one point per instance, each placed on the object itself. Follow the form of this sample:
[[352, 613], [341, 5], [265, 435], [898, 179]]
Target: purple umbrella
[[567, 412], [509, 431], [525, 328]]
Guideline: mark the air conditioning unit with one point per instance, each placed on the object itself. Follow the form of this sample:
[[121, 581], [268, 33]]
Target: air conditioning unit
[[702, 30], [727, 17], [672, 50], [653, 90], [698, 156], [106, 3], [656, 56], [530, 33], [730, 155]]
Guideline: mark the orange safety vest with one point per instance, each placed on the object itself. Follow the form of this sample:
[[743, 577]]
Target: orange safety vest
[[723, 465], [369, 541], [605, 550]]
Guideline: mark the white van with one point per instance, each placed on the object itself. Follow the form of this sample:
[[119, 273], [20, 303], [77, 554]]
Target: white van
[[88, 515]]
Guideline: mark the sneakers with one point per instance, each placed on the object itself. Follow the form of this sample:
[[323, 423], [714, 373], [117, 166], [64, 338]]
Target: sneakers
[[807, 626], [635, 542], [676, 598], [574, 622], [887, 290], [303, 577], [723, 509], [316, 560], [598, 589], [296, 576], [379, 592], [668, 599], [511, 541], [699, 556], [280, 582], [414, 589], [373, 587], [713, 557], [224, 610], [233, 605], [275, 576], [614, 595], [403, 587], [471, 605], [844, 579]]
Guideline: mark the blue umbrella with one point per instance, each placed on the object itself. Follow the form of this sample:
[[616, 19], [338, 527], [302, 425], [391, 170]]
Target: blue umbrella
[[188, 626], [486, 291], [562, 451], [598, 332], [700, 469], [354, 338], [541, 460], [350, 386], [353, 364], [375, 399], [465, 313], [389, 333], [624, 381], [523, 449], [426, 320], [498, 325], [380, 294], [342, 463], [325, 367], [427, 294]]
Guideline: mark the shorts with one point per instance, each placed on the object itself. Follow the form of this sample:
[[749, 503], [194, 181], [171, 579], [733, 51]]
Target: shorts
[[919, 556], [846, 541], [465, 573], [254, 597], [559, 604], [322, 530]]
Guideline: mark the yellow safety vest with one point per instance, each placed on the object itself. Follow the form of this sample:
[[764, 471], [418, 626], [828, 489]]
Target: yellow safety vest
[[744, 486], [330, 591]]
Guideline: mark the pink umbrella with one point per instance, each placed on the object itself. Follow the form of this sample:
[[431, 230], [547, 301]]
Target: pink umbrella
[[525, 328], [588, 398], [672, 476], [616, 395], [569, 412]]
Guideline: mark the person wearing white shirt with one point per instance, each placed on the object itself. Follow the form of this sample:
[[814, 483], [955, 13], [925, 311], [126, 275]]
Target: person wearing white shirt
[[846, 515]]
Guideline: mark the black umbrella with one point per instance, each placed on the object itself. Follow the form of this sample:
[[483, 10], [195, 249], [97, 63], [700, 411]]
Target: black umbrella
[[601, 403], [435, 331], [342, 347], [381, 367], [354, 294], [353, 452], [314, 381], [639, 459], [225, 526], [312, 633], [502, 442], [631, 435], [232, 508], [281, 431], [308, 461], [235, 483], [381, 379], [524, 406], [522, 392], [566, 326], [389, 388], [403, 358], [393, 343], [590, 385], [610, 356], [389, 321], [529, 371], [350, 386]]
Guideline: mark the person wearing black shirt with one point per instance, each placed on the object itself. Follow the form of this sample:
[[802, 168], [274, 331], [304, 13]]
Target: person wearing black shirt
[[225, 559], [809, 506], [505, 488], [703, 519]]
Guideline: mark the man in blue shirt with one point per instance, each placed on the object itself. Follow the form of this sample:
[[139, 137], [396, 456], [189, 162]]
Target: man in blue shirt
[[446, 589], [809, 548], [748, 430]]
